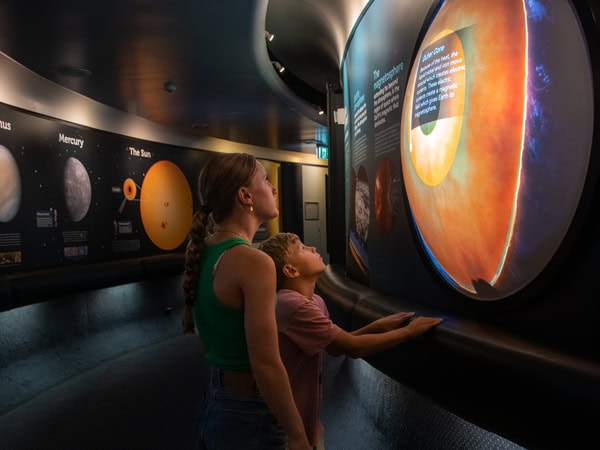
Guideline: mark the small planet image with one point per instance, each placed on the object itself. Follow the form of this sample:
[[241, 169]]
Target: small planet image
[[383, 197], [10, 186], [493, 122], [166, 205], [129, 189], [77, 189]]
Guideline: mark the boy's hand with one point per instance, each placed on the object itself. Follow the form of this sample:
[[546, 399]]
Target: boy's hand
[[420, 325], [391, 322]]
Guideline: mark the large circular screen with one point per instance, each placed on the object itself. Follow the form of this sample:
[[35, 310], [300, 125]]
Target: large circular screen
[[496, 138]]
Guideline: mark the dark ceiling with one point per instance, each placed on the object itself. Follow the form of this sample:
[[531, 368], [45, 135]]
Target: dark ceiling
[[212, 55]]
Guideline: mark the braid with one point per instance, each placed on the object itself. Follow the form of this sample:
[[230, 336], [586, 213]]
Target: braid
[[193, 255]]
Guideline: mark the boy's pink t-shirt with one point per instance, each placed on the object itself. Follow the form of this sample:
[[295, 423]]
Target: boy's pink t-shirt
[[305, 329]]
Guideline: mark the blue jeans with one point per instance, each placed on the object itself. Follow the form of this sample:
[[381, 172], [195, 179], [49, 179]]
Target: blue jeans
[[229, 422]]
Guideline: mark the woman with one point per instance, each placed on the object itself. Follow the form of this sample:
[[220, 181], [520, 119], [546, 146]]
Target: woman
[[229, 291]]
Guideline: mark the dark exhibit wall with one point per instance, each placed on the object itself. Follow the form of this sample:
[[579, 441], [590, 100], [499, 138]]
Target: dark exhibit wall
[[72, 194], [375, 71], [471, 174], [83, 209]]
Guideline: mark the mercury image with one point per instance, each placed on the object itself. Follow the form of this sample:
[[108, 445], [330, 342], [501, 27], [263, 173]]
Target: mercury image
[[10, 186], [78, 189]]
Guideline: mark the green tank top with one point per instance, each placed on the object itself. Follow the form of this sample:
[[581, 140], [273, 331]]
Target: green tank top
[[220, 328]]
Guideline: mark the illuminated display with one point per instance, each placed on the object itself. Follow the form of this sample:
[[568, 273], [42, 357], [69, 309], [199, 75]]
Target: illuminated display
[[166, 205], [496, 137]]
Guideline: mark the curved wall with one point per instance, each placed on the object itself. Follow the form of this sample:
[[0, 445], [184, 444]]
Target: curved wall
[[471, 169]]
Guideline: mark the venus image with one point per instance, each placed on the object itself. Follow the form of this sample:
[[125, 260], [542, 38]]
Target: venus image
[[493, 121], [166, 205], [10, 186], [77, 189]]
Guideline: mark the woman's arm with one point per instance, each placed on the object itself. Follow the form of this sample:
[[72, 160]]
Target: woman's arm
[[257, 282]]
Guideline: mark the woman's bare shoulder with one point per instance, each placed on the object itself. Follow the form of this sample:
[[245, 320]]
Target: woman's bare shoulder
[[250, 257]]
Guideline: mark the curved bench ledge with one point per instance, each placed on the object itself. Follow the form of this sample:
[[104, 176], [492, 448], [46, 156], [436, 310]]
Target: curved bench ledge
[[497, 379], [26, 288]]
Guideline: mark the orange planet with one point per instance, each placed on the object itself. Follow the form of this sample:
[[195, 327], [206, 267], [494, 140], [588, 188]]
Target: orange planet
[[129, 189], [166, 205], [462, 137]]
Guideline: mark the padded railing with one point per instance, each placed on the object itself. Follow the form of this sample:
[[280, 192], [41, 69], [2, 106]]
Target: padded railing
[[527, 392]]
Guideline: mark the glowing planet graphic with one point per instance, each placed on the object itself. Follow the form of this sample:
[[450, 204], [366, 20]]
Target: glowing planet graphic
[[166, 205], [10, 186], [495, 119], [77, 189], [129, 189]]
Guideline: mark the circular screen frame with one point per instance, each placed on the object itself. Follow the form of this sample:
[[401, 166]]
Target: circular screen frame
[[491, 220]]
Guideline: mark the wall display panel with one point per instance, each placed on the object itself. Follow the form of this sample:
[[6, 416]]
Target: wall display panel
[[497, 131], [375, 73], [55, 217], [152, 197], [72, 194], [11, 193]]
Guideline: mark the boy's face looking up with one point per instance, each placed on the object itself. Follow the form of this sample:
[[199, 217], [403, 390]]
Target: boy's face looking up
[[305, 260]]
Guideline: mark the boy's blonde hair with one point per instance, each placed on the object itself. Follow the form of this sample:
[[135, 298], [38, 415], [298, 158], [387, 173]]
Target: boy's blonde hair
[[278, 248]]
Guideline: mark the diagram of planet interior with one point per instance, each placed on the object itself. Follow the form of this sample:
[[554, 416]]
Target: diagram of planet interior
[[486, 140]]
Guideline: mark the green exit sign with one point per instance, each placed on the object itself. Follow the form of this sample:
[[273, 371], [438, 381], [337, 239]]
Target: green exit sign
[[323, 153]]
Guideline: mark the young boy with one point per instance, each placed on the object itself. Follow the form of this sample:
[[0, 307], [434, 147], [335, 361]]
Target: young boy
[[305, 329]]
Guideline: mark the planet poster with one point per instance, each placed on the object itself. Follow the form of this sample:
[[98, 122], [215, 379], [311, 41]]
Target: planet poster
[[151, 196], [375, 72], [11, 194], [70, 194], [468, 142]]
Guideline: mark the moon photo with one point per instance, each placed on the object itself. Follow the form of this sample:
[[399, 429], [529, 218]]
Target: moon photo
[[77, 189]]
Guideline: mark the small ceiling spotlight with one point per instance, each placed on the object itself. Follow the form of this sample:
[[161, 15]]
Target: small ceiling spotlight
[[269, 36], [170, 86], [320, 111], [278, 66]]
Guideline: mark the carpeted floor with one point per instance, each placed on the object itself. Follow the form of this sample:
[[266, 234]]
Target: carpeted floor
[[146, 399]]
